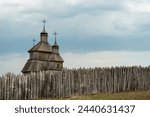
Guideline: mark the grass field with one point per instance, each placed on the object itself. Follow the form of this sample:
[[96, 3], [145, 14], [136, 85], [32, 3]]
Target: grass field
[[139, 95]]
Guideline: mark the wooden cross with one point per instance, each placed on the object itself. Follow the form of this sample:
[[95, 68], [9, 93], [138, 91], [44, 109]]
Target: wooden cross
[[55, 33], [44, 22]]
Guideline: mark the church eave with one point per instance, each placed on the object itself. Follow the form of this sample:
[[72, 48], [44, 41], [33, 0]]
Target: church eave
[[39, 51]]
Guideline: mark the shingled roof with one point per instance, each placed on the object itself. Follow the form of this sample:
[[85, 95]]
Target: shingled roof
[[42, 47], [30, 66], [55, 58]]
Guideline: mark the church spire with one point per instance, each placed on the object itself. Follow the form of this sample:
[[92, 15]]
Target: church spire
[[44, 34], [55, 47], [55, 33], [44, 22]]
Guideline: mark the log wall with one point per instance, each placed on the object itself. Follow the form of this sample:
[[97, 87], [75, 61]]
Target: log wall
[[73, 82]]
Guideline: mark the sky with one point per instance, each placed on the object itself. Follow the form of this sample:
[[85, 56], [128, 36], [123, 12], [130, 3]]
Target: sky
[[91, 33]]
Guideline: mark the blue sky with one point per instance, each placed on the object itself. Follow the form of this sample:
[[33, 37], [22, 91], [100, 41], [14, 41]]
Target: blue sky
[[118, 29]]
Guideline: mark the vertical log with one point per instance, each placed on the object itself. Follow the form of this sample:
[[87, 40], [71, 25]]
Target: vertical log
[[72, 82]]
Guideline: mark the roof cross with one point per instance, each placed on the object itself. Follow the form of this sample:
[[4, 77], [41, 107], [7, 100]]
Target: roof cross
[[44, 22], [55, 33]]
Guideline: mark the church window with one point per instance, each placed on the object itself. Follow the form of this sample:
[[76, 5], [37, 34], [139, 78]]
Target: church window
[[58, 65]]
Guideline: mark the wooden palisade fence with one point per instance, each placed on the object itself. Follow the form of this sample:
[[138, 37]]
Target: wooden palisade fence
[[74, 82]]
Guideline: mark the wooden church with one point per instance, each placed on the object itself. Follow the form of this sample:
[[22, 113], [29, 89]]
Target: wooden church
[[43, 56]]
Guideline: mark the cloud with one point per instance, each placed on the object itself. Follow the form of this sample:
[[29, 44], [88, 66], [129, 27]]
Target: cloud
[[15, 62], [12, 63], [97, 25], [98, 17], [104, 30], [106, 59], [138, 6]]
